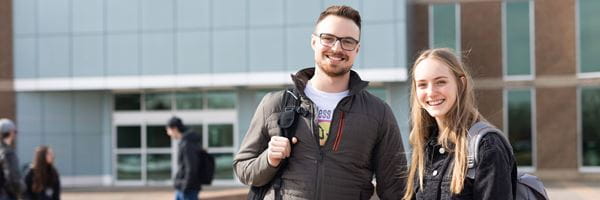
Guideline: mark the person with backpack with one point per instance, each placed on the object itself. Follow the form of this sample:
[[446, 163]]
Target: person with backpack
[[187, 180], [342, 134], [10, 178], [42, 179], [443, 111]]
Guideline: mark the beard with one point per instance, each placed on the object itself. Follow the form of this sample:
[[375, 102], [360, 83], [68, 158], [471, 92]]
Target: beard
[[333, 70]]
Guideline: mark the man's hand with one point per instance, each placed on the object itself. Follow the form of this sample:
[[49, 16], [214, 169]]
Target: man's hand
[[279, 149]]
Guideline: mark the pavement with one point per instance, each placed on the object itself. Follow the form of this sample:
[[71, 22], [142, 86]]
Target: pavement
[[557, 190]]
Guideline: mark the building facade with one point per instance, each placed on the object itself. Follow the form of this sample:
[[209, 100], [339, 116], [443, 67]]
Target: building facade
[[97, 80]]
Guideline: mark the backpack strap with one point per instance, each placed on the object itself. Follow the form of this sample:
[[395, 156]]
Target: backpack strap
[[475, 134], [287, 122]]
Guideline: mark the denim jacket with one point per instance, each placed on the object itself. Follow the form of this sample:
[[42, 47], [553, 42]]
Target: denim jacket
[[495, 177]]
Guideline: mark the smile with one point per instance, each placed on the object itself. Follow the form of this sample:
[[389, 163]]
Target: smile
[[435, 102], [335, 58]]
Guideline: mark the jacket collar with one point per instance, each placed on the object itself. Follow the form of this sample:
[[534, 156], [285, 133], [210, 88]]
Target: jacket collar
[[355, 85]]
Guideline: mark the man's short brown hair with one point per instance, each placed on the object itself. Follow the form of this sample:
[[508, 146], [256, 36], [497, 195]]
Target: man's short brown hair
[[342, 11]]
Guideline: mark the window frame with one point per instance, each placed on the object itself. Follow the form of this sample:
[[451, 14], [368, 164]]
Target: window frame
[[457, 25], [532, 48], [144, 118], [533, 167], [579, 107]]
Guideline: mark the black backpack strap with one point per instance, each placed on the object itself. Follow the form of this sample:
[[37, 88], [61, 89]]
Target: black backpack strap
[[290, 111], [475, 134]]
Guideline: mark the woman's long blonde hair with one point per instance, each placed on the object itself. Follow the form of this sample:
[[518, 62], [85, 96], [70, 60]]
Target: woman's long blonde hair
[[453, 134]]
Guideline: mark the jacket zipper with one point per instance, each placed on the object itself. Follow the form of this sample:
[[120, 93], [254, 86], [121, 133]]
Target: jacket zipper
[[314, 126]]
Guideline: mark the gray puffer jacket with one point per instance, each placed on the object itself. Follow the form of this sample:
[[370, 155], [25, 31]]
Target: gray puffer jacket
[[364, 140]]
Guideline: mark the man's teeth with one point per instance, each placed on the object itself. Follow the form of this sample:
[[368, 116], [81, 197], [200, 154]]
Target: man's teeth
[[335, 58], [435, 102]]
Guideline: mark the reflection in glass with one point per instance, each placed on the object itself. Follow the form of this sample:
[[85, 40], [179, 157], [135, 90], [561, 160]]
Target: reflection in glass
[[590, 128], [159, 167], [589, 29], [129, 167], [221, 100], [223, 167], [220, 135], [127, 102], [188, 100], [156, 136], [128, 137], [158, 101], [517, 38], [444, 26], [519, 125]]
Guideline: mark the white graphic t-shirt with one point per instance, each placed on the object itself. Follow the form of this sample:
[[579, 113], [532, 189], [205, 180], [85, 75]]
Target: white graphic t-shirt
[[326, 103]]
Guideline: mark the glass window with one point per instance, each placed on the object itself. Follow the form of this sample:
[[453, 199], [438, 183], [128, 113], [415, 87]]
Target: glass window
[[223, 167], [444, 26], [156, 136], [159, 167], [158, 101], [129, 167], [379, 92], [220, 135], [129, 137], [127, 102], [589, 30], [189, 100], [221, 100], [518, 58], [520, 126], [590, 128]]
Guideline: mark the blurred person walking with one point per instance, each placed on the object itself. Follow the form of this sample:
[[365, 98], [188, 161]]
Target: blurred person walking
[[186, 182], [42, 179], [10, 179]]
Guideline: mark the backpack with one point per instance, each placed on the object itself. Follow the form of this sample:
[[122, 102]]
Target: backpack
[[528, 186], [207, 167], [290, 109]]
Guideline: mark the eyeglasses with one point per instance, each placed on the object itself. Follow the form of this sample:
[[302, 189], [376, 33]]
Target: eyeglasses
[[329, 40]]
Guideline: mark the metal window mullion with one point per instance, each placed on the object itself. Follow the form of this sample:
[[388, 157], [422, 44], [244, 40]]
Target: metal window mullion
[[431, 25], [457, 31], [143, 153], [533, 116]]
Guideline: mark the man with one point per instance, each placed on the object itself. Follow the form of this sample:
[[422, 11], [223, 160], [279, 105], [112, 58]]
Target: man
[[186, 181], [10, 179], [348, 135]]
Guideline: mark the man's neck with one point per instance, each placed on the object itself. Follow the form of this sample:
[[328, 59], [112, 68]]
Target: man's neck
[[325, 83]]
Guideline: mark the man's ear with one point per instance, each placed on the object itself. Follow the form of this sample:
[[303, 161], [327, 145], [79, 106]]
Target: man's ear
[[357, 48]]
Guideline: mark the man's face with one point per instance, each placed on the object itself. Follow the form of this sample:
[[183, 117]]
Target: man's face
[[333, 59], [172, 132]]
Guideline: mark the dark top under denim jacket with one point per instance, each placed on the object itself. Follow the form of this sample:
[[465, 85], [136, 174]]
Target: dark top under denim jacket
[[495, 176]]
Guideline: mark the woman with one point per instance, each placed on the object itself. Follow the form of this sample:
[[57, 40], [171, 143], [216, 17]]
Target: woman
[[42, 179], [442, 111]]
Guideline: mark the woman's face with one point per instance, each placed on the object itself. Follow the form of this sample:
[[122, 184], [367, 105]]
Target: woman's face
[[50, 156], [436, 87]]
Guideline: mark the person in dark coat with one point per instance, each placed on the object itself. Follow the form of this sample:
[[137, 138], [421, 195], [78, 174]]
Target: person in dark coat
[[186, 182], [443, 109], [10, 176], [42, 180]]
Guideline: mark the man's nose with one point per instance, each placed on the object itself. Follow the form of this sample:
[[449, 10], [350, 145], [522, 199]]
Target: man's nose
[[337, 45]]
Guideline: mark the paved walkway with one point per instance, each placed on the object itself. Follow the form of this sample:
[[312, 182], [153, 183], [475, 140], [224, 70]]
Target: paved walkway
[[556, 191]]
